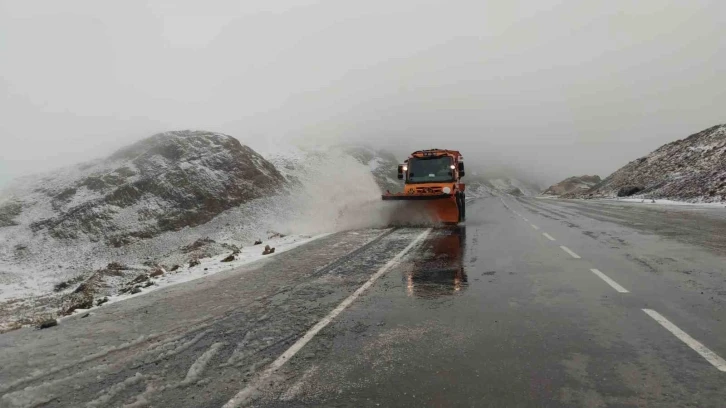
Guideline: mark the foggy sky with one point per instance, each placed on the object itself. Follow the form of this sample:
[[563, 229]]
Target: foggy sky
[[555, 88]]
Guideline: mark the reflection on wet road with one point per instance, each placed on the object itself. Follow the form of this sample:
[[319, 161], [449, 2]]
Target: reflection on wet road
[[440, 271]]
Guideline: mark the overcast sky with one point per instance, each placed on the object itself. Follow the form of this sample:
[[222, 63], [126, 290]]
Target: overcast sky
[[552, 87]]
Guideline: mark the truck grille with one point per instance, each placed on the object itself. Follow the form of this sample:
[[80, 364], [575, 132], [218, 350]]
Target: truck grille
[[428, 190]]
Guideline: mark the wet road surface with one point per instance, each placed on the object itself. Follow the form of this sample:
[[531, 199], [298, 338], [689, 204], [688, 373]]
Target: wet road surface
[[532, 303]]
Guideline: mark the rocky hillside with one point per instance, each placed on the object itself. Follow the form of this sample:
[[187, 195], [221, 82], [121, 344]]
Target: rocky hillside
[[163, 183], [692, 169], [572, 185], [140, 206], [155, 208]]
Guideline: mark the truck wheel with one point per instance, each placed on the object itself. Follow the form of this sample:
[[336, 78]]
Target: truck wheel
[[463, 207], [460, 206]]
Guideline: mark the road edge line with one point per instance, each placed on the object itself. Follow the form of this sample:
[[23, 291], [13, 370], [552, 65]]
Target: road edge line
[[242, 396], [694, 344]]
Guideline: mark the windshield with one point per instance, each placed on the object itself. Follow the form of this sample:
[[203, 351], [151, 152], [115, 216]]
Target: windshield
[[430, 170]]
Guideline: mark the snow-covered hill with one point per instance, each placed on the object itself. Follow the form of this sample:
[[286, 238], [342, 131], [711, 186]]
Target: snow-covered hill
[[163, 183], [572, 185], [138, 207], [514, 187], [692, 169], [485, 184]]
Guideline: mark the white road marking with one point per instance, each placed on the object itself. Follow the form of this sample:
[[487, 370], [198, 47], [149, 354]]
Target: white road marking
[[548, 236], [525, 219], [699, 348], [536, 228], [569, 251], [250, 389], [609, 281]]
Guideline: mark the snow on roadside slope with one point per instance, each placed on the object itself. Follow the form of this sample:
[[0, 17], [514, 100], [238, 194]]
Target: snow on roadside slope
[[669, 202], [29, 307], [213, 265]]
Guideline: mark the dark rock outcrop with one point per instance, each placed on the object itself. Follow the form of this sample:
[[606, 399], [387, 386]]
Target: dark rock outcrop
[[156, 273], [627, 191], [45, 324]]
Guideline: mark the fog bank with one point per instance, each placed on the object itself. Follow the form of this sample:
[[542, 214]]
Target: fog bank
[[551, 88]]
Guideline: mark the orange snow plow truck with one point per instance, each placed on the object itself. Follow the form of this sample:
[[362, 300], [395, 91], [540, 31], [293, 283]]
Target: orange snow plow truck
[[433, 186]]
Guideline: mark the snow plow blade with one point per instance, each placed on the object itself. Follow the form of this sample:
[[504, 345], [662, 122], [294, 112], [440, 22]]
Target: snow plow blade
[[404, 197], [439, 208]]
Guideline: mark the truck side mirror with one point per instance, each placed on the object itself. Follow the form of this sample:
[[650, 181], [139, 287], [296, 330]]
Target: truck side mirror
[[462, 173], [400, 171]]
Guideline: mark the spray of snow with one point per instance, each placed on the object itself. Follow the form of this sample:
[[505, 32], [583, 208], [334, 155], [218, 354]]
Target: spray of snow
[[335, 193]]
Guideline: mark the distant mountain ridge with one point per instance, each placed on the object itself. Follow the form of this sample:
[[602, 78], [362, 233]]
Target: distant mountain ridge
[[691, 169], [572, 185]]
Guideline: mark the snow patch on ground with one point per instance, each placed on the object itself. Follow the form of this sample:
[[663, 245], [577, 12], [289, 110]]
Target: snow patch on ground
[[478, 191], [669, 202], [213, 265]]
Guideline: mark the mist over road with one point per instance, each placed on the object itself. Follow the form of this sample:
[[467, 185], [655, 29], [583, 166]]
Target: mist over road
[[532, 303]]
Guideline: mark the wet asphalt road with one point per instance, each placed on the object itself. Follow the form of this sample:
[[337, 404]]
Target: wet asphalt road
[[493, 313]]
